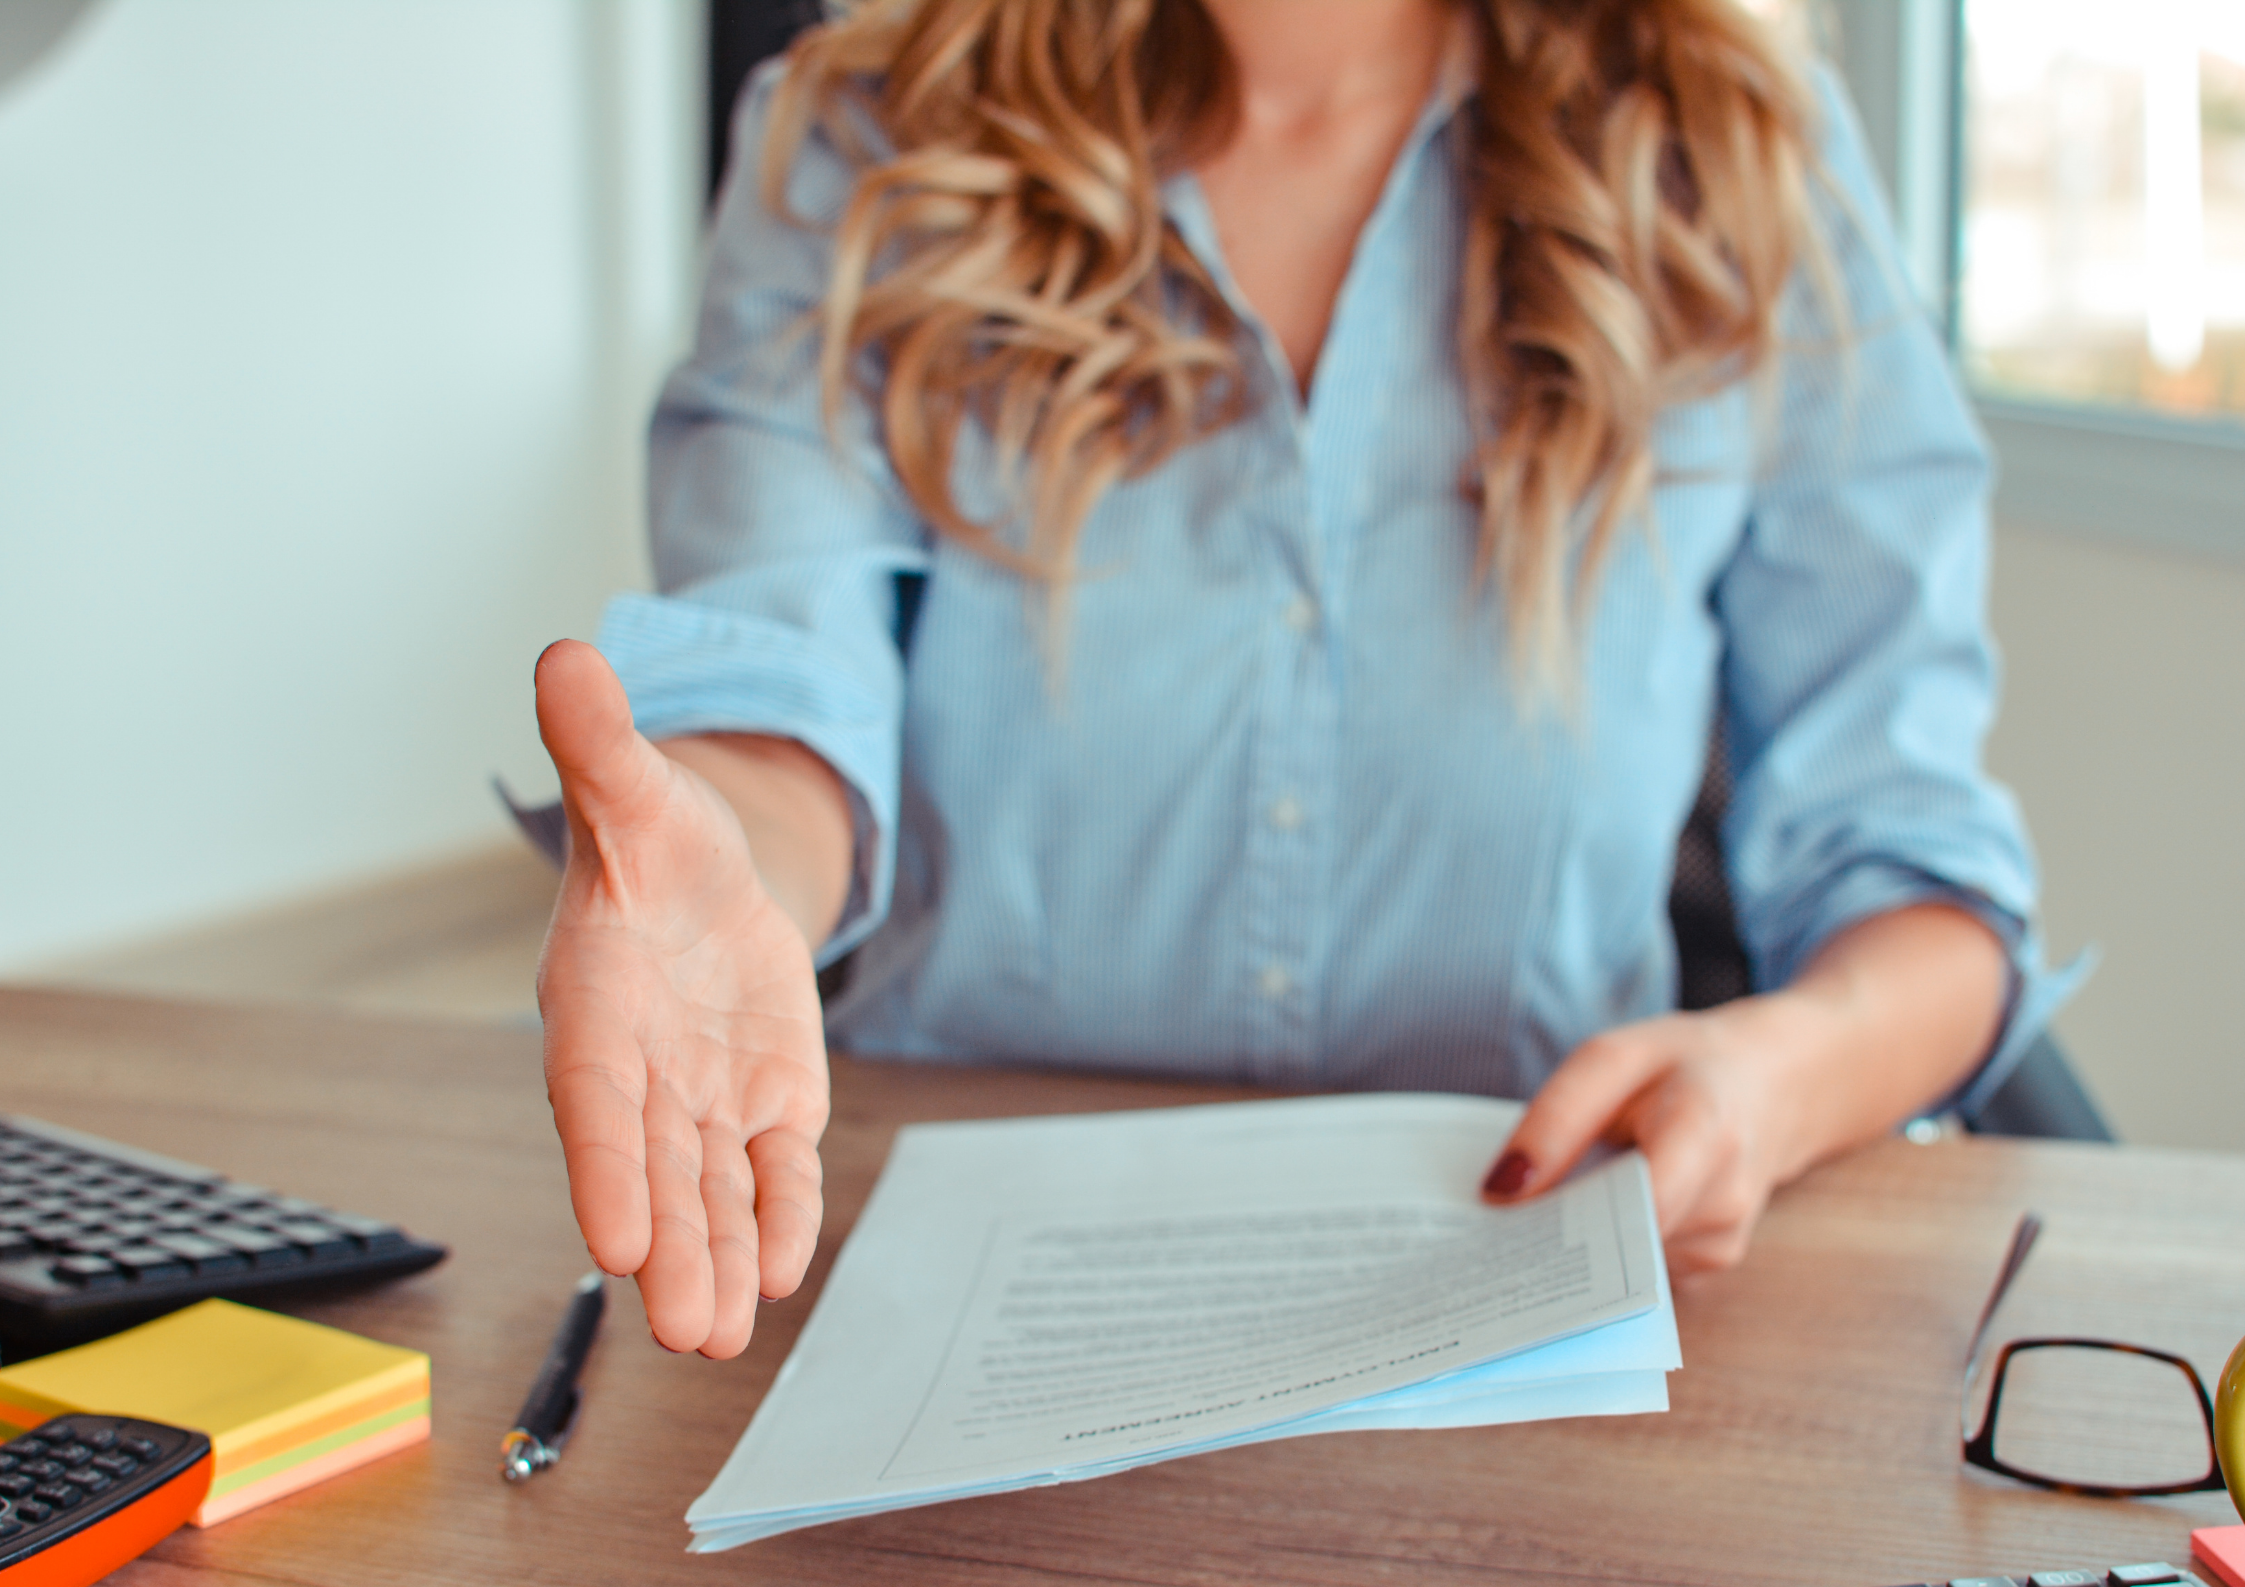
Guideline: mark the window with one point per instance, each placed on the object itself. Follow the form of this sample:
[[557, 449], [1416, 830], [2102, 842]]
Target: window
[[2103, 224], [2083, 248]]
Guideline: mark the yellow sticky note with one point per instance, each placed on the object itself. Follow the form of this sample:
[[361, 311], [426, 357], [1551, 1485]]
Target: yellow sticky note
[[250, 1379]]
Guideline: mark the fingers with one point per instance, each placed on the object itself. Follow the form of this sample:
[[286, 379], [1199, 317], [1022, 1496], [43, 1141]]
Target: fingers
[[584, 717], [597, 1083], [1577, 1105], [1675, 1126], [676, 1282], [789, 1206], [728, 1192]]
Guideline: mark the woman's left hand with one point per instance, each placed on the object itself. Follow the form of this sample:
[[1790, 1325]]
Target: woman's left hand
[[1699, 1094], [1729, 1104]]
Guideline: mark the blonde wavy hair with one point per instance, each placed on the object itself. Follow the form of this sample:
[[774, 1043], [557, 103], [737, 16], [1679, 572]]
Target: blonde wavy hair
[[1638, 202]]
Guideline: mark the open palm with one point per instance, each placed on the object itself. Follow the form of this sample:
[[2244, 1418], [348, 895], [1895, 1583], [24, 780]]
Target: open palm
[[685, 1058]]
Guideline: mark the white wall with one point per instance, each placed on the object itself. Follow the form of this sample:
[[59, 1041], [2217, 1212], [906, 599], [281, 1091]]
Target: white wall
[[2123, 732], [326, 338]]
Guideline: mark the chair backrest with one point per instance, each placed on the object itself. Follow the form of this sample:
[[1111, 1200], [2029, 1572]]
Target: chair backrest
[[1711, 963]]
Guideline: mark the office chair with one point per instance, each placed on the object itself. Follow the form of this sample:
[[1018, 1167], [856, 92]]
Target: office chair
[[2043, 1097]]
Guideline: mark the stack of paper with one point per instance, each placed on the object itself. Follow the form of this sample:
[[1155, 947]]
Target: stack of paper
[[1042, 1300], [286, 1403]]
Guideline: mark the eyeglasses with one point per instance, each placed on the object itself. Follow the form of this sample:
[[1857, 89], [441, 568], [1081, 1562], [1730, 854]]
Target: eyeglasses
[[2087, 1416]]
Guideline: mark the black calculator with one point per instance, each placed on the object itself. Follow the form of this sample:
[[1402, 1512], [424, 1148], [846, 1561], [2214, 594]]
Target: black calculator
[[2156, 1574], [95, 1237], [80, 1495]]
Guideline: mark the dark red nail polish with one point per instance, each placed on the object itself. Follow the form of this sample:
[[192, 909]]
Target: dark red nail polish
[[1510, 1175]]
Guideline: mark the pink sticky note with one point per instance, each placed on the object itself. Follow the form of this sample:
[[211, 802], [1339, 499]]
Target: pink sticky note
[[2221, 1549]]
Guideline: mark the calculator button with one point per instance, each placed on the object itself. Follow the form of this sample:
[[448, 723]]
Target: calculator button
[[141, 1448], [74, 1454], [33, 1511], [9, 1526], [2141, 1575], [116, 1465], [28, 1448], [42, 1470], [100, 1437], [89, 1479], [1982, 1581], [59, 1494], [2065, 1578], [15, 1484]]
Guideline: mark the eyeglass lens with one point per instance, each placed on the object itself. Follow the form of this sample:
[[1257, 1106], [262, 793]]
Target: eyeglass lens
[[2097, 1417]]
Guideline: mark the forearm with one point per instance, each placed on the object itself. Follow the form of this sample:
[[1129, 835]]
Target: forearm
[[796, 816], [1891, 1015]]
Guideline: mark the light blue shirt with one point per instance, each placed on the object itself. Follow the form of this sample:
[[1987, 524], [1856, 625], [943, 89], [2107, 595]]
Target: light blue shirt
[[1287, 817]]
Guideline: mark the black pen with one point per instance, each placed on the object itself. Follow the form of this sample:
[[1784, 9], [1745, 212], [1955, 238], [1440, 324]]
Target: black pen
[[541, 1427]]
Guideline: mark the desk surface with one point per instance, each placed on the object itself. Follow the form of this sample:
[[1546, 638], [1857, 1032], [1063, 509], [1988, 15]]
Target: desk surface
[[1813, 1435]]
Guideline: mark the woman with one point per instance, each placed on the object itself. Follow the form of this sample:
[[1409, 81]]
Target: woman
[[1208, 536]]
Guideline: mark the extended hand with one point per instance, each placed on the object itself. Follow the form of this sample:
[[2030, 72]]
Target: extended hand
[[685, 1058]]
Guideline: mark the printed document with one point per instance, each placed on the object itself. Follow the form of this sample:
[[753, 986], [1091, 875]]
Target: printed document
[[1041, 1300]]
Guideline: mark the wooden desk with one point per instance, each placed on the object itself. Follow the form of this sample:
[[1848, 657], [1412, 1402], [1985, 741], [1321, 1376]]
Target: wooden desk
[[1813, 1437]]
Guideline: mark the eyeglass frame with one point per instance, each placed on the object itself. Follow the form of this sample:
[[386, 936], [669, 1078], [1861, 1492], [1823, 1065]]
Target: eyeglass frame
[[1980, 1447]]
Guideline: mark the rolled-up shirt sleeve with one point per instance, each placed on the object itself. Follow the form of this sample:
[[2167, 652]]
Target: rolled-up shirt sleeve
[[1860, 678], [778, 545]]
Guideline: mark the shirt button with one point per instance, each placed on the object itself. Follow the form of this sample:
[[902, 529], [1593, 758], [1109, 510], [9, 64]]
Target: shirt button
[[1274, 981], [1300, 614], [1286, 814]]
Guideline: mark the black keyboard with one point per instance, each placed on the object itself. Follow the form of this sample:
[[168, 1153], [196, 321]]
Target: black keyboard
[[2148, 1575], [95, 1237]]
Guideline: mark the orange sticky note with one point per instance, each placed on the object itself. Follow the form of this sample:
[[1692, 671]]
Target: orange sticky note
[[2221, 1549]]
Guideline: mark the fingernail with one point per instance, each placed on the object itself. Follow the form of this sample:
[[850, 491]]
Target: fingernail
[[1510, 1176]]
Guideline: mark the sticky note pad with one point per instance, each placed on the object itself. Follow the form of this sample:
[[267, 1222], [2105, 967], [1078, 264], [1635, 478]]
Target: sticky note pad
[[2221, 1549], [286, 1402]]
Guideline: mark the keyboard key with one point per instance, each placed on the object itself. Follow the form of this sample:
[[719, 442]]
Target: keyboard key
[[147, 1262], [261, 1246], [372, 1234], [208, 1256], [319, 1241], [2142, 1575]]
